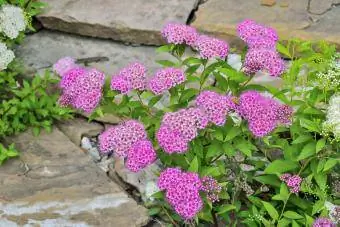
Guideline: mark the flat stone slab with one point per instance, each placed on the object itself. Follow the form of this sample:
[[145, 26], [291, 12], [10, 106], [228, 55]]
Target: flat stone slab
[[54, 183], [41, 50], [132, 21], [305, 19]]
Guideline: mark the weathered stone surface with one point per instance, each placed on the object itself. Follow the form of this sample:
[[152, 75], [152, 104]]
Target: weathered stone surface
[[320, 7], [139, 180], [220, 17], [43, 49], [131, 21], [76, 128], [54, 183], [268, 2]]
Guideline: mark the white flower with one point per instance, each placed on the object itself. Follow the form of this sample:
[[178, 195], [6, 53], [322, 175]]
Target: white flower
[[331, 77], [12, 21], [6, 56], [150, 189], [332, 123]]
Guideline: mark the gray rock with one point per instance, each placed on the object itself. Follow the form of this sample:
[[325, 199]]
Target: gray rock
[[86, 143], [139, 180], [130, 21], [41, 50], [292, 21], [76, 128], [53, 183]]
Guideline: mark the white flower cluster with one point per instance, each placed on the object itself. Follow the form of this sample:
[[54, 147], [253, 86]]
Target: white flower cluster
[[331, 77], [332, 123], [12, 21], [6, 56]]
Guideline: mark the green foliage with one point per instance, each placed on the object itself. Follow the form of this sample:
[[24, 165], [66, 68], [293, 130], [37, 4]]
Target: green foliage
[[254, 197], [25, 103]]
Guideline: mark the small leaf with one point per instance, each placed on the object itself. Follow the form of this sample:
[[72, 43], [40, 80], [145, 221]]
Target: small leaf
[[292, 215], [271, 210], [233, 132], [165, 48], [228, 149], [154, 100], [193, 165], [281, 166], [154, 211], [283, 50], [307, 151], [225, 208], [166, 63], [302, 139], [329, 164], [320, 145]]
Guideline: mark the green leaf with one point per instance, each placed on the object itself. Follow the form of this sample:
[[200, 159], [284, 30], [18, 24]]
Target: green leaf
[[307, 151], [193, 165], [283, 50], [295, 224], [302, 139], [188, 94], [154, 100], [233, 132], [154, 211], [320, 145], [214, 150], [271, 210], [165, 48], [166, 63], [225, 208], [283, 222], [321, 180], [228, 149], [310, 125], [318, 206], [281, 166], [330, 163], [292, 215], [268, 179]]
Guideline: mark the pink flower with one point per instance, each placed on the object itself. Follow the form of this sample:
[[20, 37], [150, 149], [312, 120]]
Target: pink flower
[[215, 106], [263, 114], [292, 181], [209, 47], [70, 77], [63, 65], [164, 79], [122, 137], [182, 191], [140, 155], [131, 77], [258, 42], [82, 89], [211, 187], [264, 59], [179, 34], [249, 28], [323, 222], [179, 128]]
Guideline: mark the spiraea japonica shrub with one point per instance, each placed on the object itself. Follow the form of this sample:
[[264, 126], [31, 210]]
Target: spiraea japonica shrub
[[232, 152]]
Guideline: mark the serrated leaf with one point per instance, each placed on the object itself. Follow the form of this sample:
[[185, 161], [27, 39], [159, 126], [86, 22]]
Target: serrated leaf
[[271, 210], [232, 133], [228, 149], [280, 166]]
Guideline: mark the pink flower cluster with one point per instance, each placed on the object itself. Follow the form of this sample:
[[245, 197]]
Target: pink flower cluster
[[248, 29], [207, 46], [179, 128], [128, 139], [211, 187], [262, 54], [179, 34], [131, 77], [292, 181], [210, 47], [81, 88], [263, 114], [182, 191], [323, 222], [164, 79], [63, 65], [215, 106]]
